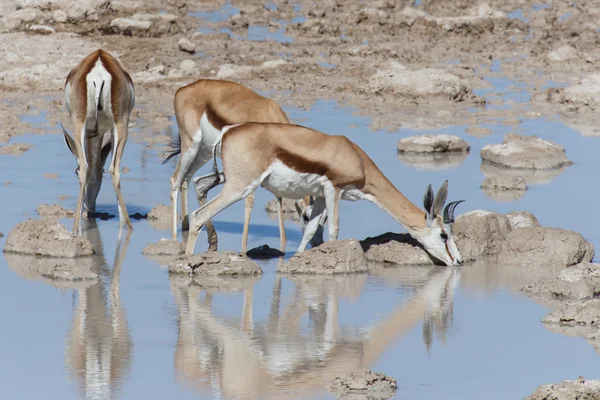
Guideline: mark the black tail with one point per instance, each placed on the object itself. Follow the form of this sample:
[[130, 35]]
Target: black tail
[[175, 148]]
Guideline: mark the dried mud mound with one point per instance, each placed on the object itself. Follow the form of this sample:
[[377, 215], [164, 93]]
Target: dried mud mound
[[225, 263], [548, 248], [363, 384], [54, 210], [522, 219], [433, 161], [395, 248], [525, 152], [579, 282], [433, 143], [164, 247], [334, 257], [504, 188], [161, 213], [577, 319], [479, 234], [46, 238], [568, 390]]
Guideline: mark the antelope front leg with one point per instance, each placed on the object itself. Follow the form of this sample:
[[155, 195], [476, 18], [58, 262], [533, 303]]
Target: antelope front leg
[[119, 139], [202, 185], [249, 203], [282, 237]]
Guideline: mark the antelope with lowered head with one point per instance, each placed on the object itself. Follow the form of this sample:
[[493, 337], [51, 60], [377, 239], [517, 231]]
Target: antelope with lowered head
[[294, 161], [202, 109], [99, 96]]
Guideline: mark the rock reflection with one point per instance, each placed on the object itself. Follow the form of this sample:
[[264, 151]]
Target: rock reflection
[[99, 344], [284, 356], [435, 161], [530, 176]]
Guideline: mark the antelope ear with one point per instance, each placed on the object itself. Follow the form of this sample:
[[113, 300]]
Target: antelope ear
[[68, 140], [428, 203], [440, 198]]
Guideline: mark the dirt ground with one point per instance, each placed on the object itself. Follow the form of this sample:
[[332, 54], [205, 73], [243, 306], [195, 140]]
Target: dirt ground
[[378, 57]]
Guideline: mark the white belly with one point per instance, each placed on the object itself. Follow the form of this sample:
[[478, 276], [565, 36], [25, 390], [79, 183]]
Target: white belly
[[283, 181]]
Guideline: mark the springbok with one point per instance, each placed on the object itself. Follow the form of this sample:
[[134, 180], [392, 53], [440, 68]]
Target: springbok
[[202, 109], [294, 161], [99, 96]]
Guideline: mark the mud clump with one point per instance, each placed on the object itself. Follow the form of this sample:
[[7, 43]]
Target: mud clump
[[363, 384], [522, 219], [54, 210], [15, 149], [568, 390], [394, 248], [264, 252], [525, 152], [334, 257], [225, 263], [434, 143], [579, 282], [420, 84], [164, 247], [46, 238], [548, 248], [584, 94], [161, 213], [479, 233]]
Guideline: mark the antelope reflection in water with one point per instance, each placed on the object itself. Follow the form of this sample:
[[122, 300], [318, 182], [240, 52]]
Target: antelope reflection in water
[[281, 359], [99, 346]]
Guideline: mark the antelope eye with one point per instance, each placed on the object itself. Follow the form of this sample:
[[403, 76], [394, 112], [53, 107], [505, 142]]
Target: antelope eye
[[444, 235]]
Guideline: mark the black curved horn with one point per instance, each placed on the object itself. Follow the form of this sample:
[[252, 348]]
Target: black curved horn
[[449, 211]]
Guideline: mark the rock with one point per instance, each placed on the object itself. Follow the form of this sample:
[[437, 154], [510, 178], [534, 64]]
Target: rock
[[160, 212], [19, 18], [334, 257], [55, 210], [522, 219], [438, 143], [125, 170], [130, 26], [568, 390], [188, 67], [586, 92], [433, 161], [42, 29], [584, 314], [164, 247], [400, 249], [502, 183], [371, 385], [579, 282], [480, 233], [274, 63], [46, 238], [549, 248], [59, 16], [525, 152], [15, 149], [186, 45], [213, 263], [422, 83], [563, 53], [264, 252], [478, 131]]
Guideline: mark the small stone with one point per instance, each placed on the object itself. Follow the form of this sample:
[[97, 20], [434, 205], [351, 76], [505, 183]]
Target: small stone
[[42, 29], [433, 143], [264, 252], [125, 170], [55, 210], [59, 16], [186, 45]]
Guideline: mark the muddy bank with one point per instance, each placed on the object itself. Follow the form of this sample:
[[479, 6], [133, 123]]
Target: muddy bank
[[568, 390]]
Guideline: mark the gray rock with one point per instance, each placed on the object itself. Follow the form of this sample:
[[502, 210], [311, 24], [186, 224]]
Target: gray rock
[[438, 143], [215, 263], [160, 212], [563, 53], [364, 383], [334, 257], [54, 210], [525, 152], [130, 26], [60, 16], [579, 282], [164, 247], [549, 248], [400, 249], [186, 45], [46, 238], [503, 183], [480, 233], [522, 219], [19, 18], [585, 313], [568, 390]]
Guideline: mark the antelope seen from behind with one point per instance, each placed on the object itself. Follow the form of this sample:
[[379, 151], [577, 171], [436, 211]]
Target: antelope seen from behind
[[99, 96], [202, 109], [293, 161]]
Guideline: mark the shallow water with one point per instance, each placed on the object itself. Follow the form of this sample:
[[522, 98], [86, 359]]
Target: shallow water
[[139, 333]]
